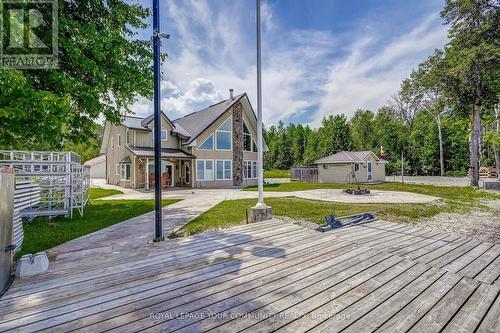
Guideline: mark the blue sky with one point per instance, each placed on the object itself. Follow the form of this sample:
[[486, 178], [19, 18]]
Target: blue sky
[[320, 57]]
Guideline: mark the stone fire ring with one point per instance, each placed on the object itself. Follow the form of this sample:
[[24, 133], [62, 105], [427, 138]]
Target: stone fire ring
[[375, 196]]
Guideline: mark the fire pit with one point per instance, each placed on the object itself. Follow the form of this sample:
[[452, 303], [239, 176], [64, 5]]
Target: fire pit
[[358, 191]]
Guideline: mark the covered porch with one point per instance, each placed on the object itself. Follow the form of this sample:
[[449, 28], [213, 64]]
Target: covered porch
[[176, 168]]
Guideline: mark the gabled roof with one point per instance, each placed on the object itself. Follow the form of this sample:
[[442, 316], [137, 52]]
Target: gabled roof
[[134, 123], [196, 122], [348, 157], [145, 122], [95, 160], [189, 127]]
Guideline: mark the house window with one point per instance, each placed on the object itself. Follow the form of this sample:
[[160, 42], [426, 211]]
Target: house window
[[119, 140], [208, 144], [356, 166], [130, 137], [249, 169], [164, 134], [112, 142], [125, 171], [247, 138], [224, 169], [223, 135], [254, 146], [204, 170]]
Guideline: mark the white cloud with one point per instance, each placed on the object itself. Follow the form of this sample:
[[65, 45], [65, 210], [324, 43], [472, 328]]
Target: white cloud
[[303, 70], [365, 79]]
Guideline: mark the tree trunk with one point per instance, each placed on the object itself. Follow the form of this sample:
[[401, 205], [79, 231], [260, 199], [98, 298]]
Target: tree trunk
[[497, 147], [474, 145], [441, 151]]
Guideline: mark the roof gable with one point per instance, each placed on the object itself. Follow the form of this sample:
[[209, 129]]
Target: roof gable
[[348, 157], [197, 122]]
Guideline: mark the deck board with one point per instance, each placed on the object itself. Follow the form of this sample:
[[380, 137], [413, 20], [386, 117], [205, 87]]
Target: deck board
[[271, 276]]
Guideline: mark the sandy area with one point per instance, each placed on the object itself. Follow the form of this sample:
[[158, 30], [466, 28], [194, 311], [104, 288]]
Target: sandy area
[[375, 196]]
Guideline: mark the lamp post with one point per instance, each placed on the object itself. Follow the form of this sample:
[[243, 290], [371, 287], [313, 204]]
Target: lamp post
[[158, 236], [260, 212]]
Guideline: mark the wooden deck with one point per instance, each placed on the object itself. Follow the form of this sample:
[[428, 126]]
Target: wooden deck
[[271, 276]]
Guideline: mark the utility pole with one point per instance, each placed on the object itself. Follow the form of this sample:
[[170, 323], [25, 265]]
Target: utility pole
[[157, 121], [402, 168], [260, 212]]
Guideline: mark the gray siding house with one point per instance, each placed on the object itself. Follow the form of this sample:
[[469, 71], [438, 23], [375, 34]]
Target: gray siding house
[[213, 147], [351, 167]]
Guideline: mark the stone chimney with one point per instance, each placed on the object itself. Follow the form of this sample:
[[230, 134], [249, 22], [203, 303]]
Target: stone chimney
[[231, 96]]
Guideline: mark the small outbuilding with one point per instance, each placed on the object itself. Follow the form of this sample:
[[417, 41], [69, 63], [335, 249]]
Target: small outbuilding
[[97, 167], [351, 167]]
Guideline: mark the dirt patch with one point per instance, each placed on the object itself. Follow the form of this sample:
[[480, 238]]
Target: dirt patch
[[479, 224]]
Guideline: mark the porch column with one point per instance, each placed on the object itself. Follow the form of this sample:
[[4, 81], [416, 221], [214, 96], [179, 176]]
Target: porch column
[[147, 173]]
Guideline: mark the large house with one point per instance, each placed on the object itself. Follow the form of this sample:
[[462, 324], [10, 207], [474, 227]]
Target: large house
[[213, 147]]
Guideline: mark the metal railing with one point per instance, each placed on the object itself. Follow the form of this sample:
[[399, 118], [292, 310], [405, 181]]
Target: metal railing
[[62, 181]]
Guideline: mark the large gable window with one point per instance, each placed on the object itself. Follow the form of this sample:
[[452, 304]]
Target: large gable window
[[208, 144], [223, 137], [204, 170], [247, 138]]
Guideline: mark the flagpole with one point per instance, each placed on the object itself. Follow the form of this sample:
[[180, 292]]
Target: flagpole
[[260, 153], [261, 211], [158, 236]]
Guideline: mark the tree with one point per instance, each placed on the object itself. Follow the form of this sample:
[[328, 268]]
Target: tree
[[311, 146], [426, 82], [103, 68], [472, 62], [334, 135], [362, 130], [492, 136]]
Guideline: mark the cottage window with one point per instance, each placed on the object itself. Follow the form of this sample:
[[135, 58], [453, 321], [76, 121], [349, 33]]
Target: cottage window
[[112, 142], [119, 140], [208, 144], [204, 170], [224, 169], [223, 135], [356, 166]]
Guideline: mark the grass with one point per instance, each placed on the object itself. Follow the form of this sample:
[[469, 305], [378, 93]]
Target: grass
[[97, 193], [276, 174], [44, 233], [467, 194], [229, 213], [232, 212]]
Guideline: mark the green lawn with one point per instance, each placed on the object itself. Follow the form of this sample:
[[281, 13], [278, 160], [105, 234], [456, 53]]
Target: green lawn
[[276, 174], [453, 199], [467, 194], [45, 233], [232, 212]]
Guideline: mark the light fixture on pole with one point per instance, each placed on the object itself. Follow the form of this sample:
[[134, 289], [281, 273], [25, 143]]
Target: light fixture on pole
[[158, 236], [260, 212]]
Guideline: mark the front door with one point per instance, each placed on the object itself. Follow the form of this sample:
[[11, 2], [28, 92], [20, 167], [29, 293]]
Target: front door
[[167, 172], [369, 171]]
